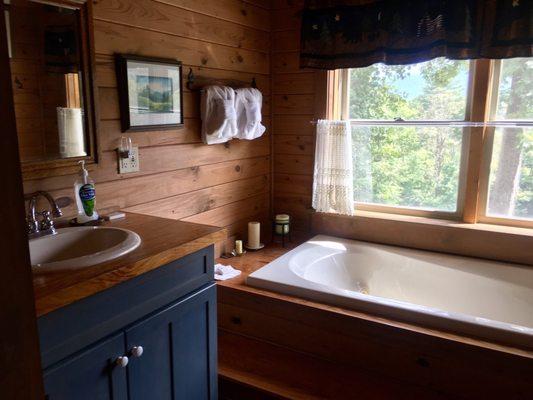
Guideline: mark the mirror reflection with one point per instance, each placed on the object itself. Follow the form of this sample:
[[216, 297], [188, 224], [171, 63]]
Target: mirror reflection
[[46, 72]]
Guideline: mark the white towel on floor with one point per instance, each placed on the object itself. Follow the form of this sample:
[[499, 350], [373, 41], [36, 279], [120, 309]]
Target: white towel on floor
[[223, 272], [219, 120], [248, 103]]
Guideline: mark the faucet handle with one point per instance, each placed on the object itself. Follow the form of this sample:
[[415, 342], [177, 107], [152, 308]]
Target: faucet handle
[[56, 211], [47, 223], [32, 225]]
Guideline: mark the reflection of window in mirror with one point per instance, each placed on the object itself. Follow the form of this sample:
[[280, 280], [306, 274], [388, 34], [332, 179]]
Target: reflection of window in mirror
[[47, 77]]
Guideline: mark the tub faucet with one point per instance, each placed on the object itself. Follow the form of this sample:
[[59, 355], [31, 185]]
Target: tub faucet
[[46, 225]]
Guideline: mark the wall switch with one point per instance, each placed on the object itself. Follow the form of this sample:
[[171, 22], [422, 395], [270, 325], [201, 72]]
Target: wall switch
[[131, 164]]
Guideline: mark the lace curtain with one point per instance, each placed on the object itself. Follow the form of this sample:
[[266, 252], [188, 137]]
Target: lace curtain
[[333, 176]]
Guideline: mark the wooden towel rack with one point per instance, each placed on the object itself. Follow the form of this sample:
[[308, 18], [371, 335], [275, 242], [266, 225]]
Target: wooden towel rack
[[196, 83]]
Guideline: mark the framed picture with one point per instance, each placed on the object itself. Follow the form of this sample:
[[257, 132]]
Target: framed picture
[[150, 93]]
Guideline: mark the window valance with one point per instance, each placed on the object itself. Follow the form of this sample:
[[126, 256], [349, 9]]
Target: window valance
[[357, 33]]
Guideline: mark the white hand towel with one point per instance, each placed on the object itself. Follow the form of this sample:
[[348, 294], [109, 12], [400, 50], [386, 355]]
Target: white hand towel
[[223, 272], [219, 120], [248, 103]]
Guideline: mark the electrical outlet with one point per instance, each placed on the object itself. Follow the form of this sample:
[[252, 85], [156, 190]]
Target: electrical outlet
[[131, 164]]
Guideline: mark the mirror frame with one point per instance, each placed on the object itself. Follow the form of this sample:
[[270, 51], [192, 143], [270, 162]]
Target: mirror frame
[[47, 168]]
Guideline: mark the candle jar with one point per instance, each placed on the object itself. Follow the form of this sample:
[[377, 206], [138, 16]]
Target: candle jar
[[281, 227]]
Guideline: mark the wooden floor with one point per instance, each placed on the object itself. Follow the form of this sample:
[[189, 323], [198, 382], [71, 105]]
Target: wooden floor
[[278, 346]]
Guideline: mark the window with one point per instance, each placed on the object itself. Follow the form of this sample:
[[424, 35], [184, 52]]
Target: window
[[417, 130], [508, 186]]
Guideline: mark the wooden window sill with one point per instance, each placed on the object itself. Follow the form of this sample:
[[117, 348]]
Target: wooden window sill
[[496, 242], [512, 230]]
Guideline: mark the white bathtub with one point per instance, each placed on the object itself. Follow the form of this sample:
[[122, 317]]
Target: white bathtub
[[486, 299]]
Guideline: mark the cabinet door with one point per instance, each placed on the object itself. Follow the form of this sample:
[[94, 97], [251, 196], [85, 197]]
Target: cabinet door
[[90, 375], [179, 351]]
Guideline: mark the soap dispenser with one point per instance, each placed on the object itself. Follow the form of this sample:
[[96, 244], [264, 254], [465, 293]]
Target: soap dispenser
[[85, 196]]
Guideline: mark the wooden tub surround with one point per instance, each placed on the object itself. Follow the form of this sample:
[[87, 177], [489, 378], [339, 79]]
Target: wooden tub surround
[[278, 346]]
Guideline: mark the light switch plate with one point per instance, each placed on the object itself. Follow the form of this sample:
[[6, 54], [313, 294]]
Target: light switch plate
[[131, 164]]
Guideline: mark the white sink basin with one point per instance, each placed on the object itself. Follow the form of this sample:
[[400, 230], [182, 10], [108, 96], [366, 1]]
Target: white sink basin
[[80, 247]]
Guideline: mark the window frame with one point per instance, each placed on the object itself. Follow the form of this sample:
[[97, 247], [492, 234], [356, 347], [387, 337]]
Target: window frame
[[489, 134], [476, 153]]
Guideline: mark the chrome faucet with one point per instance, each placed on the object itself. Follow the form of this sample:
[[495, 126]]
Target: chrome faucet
[[46, 225]]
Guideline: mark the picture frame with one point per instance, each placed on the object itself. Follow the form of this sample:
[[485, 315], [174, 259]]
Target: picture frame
[[150, 92]]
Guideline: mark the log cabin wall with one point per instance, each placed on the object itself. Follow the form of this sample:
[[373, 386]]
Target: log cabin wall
[[293, 107], [179, 177], [36, 92]]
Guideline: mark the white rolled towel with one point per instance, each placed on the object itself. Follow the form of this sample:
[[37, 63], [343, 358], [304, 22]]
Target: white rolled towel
[[248, 103], [219, 120]]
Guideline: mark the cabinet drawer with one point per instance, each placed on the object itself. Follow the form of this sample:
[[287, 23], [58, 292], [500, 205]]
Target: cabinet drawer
[[71, 328]]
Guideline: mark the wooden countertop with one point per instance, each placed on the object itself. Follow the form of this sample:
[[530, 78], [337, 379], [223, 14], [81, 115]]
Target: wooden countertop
[[163, 240], [252, 261]]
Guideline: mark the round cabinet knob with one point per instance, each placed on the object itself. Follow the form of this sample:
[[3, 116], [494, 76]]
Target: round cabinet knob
[[122, 361], [136, 351]]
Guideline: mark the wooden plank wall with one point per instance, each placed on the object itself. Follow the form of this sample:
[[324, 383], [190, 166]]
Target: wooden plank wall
[[293, 107], [25, 80], [180, 178], [36, 92]]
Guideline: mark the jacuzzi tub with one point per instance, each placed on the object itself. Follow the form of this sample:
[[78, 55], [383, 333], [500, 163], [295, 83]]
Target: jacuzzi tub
[[486, 299]]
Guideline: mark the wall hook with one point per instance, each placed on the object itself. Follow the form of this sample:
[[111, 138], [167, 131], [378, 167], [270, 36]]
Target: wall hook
[[190, 79]]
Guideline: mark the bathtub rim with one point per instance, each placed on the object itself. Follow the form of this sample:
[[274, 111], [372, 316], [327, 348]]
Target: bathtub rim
[[421, 316]]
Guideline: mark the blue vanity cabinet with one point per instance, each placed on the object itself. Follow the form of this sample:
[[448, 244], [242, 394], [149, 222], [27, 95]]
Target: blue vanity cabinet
[[170, 312], [92, 374], [179, 351]]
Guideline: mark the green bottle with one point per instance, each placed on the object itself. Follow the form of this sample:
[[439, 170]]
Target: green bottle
[[85, 194]]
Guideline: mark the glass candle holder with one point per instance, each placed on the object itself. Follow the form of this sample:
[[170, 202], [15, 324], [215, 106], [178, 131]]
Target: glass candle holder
[[282, 222], [281, 227]]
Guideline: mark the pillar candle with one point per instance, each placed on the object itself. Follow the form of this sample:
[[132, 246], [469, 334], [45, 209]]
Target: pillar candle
[[254, 229], [238, 246]]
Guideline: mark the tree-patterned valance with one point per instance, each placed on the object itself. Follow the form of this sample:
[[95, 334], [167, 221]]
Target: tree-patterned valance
[[358, 33]]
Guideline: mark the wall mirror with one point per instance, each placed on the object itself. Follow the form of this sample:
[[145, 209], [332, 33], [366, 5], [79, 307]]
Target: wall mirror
[[51, 63]]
